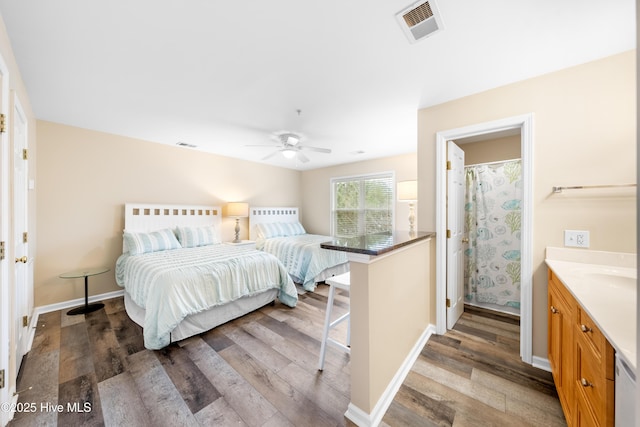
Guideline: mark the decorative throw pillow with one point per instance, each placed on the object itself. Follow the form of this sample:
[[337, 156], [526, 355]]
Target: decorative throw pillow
[[140, 243], [191, 237]]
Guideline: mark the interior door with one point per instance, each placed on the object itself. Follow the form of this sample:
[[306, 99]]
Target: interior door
[[455, 233], [21, 290], [5, 211]]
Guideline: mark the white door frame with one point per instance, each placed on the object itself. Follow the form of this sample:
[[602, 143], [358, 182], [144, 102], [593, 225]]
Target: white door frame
[[6, 393], [525, 124]]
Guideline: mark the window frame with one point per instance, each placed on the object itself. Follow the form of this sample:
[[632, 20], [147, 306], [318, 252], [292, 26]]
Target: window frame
[[361, 178]]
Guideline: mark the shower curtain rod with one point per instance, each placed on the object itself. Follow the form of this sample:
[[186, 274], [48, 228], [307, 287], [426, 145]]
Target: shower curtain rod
[[492, 163]]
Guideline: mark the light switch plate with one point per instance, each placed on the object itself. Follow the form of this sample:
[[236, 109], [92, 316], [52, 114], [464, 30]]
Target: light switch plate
[[576, 238]]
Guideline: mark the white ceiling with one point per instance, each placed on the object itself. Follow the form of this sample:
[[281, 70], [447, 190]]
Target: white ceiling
[[225, 74]]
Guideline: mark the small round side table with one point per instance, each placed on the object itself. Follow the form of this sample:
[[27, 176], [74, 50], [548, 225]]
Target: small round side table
[[86, 308]]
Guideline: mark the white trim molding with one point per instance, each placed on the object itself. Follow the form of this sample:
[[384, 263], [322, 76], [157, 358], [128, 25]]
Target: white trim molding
[[525, 124], [360, 417], [74, 303]]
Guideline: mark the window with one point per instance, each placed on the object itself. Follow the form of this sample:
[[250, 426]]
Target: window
[[362, 204]]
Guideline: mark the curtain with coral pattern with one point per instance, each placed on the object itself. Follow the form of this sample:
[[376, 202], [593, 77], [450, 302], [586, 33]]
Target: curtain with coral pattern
[[493, 227]]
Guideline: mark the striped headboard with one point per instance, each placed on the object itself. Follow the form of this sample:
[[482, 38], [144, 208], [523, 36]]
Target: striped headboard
[[143, 217], [269, 215]]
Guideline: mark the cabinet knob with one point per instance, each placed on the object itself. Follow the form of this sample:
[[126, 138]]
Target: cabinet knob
[[554, 310], [585, 383], [585, 328], [22, 259]]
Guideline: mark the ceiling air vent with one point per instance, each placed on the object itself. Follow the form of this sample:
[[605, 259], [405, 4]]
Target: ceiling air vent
[[185, 144], [420, 20]]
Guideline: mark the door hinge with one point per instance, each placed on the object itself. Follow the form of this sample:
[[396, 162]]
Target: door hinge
[[25, 154], [448, 165], [1, 251], [3, 123], [1, 378], [448, 234], [448, 303], [25, 237], [25, 321]]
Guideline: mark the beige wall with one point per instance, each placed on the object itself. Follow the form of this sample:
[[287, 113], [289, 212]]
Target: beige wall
[[316, 202], [492, 150], [584, 133], [84, 178], [389, 314]]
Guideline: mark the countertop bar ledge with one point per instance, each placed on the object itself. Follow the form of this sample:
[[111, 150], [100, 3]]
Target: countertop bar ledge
[[376, 244]]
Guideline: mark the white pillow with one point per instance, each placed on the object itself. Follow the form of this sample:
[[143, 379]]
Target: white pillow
[[191, 237], [140, 243]]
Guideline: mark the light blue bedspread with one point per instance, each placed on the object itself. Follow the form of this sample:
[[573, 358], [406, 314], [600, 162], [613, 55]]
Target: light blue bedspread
[[303, 257], [173, 284]]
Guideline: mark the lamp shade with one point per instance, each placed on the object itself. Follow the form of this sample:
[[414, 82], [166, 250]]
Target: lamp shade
[[408, 191], [238, 209]]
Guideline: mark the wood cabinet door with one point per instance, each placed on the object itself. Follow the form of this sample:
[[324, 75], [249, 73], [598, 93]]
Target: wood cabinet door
[[560, 346]]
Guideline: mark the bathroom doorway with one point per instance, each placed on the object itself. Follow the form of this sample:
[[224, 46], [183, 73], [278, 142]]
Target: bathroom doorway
[[492, 243], [520, 127]]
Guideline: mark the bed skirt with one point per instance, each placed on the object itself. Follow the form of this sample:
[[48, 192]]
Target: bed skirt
[[201, 322]]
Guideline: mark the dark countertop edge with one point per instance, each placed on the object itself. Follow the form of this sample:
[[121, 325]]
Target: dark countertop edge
[[418, 238]]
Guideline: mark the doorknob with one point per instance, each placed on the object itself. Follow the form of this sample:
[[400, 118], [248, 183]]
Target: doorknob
[[465, 240], [22, 259]]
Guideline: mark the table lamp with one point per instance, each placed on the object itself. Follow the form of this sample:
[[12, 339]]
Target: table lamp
[[408, 192], [238, 210]]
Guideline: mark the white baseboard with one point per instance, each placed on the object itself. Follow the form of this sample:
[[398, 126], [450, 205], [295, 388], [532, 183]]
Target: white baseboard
[[75, 302], [541, 363], [64, 305], [363, 419]]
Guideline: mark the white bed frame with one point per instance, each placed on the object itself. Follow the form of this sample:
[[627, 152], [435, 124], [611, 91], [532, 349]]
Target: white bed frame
[[262, 215], [269, 215], [144, 217]]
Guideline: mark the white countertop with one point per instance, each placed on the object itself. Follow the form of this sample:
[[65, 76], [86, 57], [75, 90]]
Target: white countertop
[[605, 285]]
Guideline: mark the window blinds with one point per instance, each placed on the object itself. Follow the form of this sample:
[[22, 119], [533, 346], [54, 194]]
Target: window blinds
[[362, 205]]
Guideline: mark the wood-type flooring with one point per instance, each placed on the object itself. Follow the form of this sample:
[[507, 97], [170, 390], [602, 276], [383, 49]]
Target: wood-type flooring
[[261, 370]]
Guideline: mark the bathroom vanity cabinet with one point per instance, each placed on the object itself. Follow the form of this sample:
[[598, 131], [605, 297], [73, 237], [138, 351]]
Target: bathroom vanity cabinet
[[582, 360]]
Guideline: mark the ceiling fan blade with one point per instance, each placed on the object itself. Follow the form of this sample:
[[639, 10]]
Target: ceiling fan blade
[[316, 149], [302, 157], [271, 155]]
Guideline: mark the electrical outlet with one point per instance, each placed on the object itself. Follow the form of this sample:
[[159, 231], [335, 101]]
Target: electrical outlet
[[576, 238]]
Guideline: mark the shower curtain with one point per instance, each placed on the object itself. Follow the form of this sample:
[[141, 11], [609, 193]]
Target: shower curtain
[[492, 225]]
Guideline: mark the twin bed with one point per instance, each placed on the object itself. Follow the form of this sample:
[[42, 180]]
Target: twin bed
[[180, 279], [278, 231]]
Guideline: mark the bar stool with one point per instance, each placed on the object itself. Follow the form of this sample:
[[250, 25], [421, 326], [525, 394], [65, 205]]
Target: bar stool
[[342, 281]]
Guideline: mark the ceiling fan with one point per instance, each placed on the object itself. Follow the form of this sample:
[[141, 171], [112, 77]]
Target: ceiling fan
[[289, 144]]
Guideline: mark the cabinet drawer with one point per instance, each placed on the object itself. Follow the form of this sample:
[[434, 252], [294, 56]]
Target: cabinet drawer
[[592, 384], [595, 340]]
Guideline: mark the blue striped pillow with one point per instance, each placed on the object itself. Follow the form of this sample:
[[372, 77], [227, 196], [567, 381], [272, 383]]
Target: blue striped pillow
[[140, 243], [292, 229], [280, 229], [191, 237]]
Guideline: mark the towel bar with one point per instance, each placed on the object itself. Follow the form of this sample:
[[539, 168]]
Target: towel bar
[[581, 187]]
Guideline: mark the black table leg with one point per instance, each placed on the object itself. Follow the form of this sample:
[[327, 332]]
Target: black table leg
[[87, 308]]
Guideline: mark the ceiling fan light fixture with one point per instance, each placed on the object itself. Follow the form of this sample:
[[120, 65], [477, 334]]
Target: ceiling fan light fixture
[[289, 154], [292, 139]]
